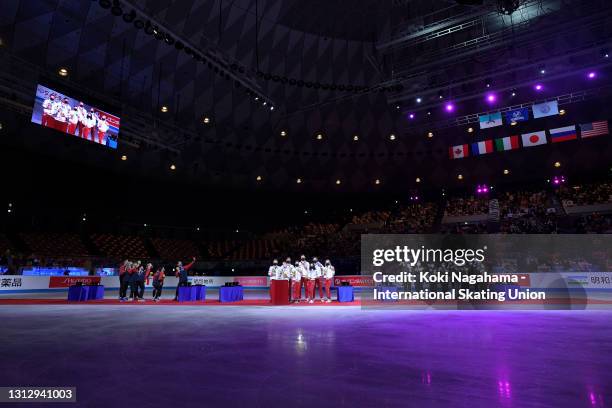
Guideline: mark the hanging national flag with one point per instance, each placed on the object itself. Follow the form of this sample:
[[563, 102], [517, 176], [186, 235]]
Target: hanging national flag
[[458, 152], [484, 147], [507, 143], [534, 139], [489, 121], [594, 129], [545, 109], [517, 115], [563, 134]]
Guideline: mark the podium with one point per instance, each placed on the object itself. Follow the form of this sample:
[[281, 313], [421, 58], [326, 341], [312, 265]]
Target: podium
[[279, 292]]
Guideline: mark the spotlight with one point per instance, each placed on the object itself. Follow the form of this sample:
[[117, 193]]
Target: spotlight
[[397, 107], [513, 123], [491, 97], [419, 100], [271, 108], [62, 72], [440, 95], [562, 112], [449, 107], [460, 177], [355, 138], [506, 172], [377, 181], [430, 135], [513, 93], [299, 181], [557, 164], [124, 157], [265, 103], [411, 116], [258, 178], [538, 87], [470, 130], [319, 136], [391, 136], [172, 167], [592, 75], [482, 189], [428, 113], [164, 109], [206, 119], [283, 133], [129, 17], [338, 182], [418, 180]]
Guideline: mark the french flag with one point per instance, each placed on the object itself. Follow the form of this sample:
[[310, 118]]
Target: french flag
[[458, 152], [484, 147], [563, 134]]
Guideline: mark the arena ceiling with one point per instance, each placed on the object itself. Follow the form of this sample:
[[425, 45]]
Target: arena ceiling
[[350, 72]]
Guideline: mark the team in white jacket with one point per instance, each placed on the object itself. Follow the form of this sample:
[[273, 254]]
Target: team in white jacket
[[305, 273]]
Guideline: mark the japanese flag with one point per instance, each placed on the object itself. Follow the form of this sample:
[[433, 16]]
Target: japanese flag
[[534, 139], [458, 152]]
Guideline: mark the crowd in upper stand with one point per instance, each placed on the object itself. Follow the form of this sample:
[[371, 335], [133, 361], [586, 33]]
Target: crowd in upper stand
[[520, 211]]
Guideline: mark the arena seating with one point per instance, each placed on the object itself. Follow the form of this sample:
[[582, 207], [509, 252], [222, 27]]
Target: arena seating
[[120, 246], [467, 206], [586, 194], [49, 244], [175, 248]]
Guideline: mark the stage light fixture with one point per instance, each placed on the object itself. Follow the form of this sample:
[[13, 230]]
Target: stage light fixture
[[538, 87], [562, 112], [172, 167], [391, 136], [271, 108], [164, 109], [513, 123], [355, 138], [557, 164], [283, 133], [258, 178], [440, 95], [319, 136], [449, 107], [428, 113], [460, 177], [206, 119], [419, 100], [506, 172], [470, 130], [377, 181], [592, 75], [411, 116], [62, 72], [298, 181], [129, 17], [338, 182], [513, 93], [397, 107], [123, 158], [418, 180], [430, 135], [491, 97]]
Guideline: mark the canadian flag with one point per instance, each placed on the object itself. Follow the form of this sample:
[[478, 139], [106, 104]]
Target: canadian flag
[[534, 139], [458, 152]]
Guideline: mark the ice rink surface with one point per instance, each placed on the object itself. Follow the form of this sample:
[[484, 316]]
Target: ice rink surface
[[246, 356]]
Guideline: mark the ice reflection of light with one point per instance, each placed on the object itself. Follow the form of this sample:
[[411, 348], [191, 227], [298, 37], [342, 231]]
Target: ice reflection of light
[[504, 389], [596, 400], [300, 344], [426, 378]]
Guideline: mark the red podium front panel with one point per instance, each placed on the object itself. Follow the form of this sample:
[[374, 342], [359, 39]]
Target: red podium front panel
[[279, 292]]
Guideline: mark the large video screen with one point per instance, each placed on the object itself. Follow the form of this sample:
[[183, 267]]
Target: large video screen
[[55, 110]]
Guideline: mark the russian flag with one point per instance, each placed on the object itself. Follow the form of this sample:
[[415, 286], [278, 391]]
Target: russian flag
[[484, 147], [458, 152], [563, 134]]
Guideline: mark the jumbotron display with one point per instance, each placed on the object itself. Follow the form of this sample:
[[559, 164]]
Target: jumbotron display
[[54, 110]]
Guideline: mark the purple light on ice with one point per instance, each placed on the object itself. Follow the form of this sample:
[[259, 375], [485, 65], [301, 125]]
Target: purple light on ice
[[449, 107]]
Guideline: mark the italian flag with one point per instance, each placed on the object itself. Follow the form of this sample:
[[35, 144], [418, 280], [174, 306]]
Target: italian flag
[[507, 143], [484, 147], [458, 152]]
